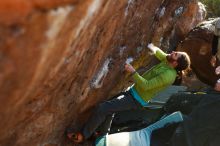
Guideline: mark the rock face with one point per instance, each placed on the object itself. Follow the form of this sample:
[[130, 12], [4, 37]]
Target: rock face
[[198, 44], [60, 58]]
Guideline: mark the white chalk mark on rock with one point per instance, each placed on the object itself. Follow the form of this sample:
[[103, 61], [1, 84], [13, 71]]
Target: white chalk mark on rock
[[99, 78]]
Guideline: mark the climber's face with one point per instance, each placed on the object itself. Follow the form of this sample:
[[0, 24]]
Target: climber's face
[[173, 56]]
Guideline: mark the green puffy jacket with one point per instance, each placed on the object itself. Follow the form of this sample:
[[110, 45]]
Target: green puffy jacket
[[156, 79]]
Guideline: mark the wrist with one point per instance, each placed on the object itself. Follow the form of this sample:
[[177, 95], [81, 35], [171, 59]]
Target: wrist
[[133, 72], [152, 48]]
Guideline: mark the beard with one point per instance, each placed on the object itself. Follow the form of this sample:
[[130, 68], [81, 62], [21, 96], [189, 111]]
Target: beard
[[170, 58]]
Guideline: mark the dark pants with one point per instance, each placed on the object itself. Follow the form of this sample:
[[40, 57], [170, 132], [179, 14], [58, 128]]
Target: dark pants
[[123, 101]]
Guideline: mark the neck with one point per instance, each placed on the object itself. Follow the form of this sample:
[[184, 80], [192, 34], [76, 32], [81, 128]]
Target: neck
[[171, 64]]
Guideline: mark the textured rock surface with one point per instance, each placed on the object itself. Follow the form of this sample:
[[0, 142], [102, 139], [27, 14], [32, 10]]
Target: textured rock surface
[[60, 58], [198, 44]]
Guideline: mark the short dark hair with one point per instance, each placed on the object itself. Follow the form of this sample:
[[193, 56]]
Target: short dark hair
[[183, 62]]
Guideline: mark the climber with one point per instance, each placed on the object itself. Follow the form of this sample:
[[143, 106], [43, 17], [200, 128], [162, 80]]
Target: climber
[[137, 96]]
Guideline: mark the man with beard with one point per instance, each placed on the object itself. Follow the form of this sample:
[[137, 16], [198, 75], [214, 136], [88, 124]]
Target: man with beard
[[145, 87]]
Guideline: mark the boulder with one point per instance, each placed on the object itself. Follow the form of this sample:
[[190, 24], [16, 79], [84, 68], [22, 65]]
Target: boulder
[[58, 59], [198, 44]]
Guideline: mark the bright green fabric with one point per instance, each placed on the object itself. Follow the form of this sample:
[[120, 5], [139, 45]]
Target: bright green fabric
[[156, 79]]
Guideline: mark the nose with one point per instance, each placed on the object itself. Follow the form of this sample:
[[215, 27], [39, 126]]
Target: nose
[[173, 53]]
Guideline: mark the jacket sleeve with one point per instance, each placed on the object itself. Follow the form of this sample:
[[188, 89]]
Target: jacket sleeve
[[160, 55], [165, 78]]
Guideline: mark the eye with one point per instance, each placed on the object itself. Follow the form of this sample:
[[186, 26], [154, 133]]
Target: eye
[[176, 54]]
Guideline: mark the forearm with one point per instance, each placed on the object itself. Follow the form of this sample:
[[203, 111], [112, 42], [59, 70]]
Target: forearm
[[157, 52], [160, 54], [152, 48]]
